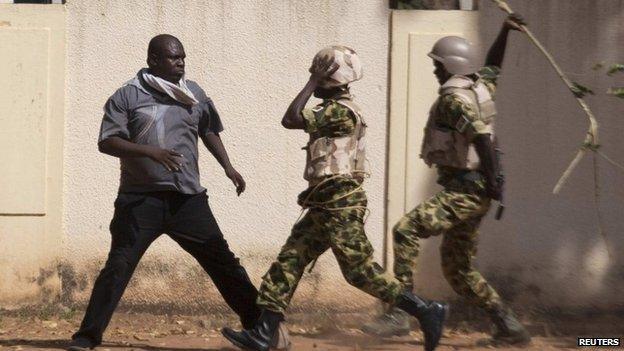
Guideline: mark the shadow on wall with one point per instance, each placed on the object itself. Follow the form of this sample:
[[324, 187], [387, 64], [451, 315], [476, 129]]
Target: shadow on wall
[[547, 249], [175, 284]]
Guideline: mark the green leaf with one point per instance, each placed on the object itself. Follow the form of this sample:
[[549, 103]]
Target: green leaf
[[615, 69], [580, 90], [617, 92], [598, 66], [590, 145]]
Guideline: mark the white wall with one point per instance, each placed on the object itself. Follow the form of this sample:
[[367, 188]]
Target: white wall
[[252, 58], [32, 43]]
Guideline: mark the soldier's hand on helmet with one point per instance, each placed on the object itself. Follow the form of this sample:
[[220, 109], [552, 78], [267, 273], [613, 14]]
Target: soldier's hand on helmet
[[323, 67], [237, 179], [515, 22]]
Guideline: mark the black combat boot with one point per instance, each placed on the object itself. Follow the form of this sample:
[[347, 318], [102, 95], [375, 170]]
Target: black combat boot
[[259, 337], [507, 330], [430, 315]]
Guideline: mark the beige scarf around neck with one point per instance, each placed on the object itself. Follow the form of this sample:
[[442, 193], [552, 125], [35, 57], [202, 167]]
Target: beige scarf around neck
[[179, 92]]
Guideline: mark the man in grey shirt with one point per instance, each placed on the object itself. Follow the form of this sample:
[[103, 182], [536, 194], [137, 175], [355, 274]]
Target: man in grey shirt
[[152, 124]]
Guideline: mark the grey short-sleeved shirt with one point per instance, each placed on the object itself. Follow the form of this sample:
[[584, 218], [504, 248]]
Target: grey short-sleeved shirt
[[142, 115]]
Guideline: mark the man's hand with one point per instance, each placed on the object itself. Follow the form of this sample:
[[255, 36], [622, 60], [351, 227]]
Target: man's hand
[[514, 22], [215, 146], [170, 159], [322, 68], [237, 179], [496, 54]]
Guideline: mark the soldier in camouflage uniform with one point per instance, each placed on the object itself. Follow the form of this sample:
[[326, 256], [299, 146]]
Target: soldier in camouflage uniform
[[459, 141], [336, 203]]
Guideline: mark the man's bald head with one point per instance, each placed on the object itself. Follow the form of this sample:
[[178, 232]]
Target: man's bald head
[[165, 57], [161, 42]]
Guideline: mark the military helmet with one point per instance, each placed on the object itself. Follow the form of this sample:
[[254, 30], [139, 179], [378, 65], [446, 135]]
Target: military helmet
[[349, 66], [458, 55]]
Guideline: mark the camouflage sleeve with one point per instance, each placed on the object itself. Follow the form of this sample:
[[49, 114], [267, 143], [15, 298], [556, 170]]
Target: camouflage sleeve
[[489, 75], [309, 119], [332, 120], [462, 116]]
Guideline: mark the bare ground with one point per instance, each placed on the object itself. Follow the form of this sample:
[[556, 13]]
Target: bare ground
[[132, 331]]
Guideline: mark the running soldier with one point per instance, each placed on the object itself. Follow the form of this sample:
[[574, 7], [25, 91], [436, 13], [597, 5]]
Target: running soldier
[[336, 205], [459, 141]]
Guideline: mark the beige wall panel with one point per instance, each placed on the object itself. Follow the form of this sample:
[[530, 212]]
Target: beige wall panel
[[26, 272], [32, 65], [413, 90], [23, 117]]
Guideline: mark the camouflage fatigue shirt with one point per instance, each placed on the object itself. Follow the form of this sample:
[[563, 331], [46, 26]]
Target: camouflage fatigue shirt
[[330, 119], [452, 109]]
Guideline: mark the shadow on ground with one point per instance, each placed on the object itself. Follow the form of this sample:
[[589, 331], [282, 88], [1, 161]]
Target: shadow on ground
[[63, 344]]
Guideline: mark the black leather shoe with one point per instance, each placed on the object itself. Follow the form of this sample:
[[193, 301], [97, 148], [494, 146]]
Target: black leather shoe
[[81, 344], [259, 337], [430, 315]]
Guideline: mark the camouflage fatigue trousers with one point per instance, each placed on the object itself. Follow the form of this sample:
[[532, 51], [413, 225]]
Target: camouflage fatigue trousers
[[457, 216], [318, 231]]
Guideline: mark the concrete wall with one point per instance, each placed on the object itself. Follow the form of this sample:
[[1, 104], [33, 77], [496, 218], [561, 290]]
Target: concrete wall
[[252, 58], [32, 61]]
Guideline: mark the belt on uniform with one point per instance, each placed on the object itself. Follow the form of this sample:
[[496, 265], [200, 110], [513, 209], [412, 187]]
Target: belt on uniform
[[464, 181]]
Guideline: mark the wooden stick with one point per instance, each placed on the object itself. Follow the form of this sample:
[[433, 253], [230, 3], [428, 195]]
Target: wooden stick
[[568, 171], [592, 132], [591, 139]]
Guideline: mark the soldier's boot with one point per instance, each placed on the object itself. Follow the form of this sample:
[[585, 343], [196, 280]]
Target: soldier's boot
[[507, 330], [258, 338], [430, 315], [394, 322], [281, 339]]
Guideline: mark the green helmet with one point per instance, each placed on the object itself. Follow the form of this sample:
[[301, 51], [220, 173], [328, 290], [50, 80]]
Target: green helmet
[[458, 55], [349, 66]]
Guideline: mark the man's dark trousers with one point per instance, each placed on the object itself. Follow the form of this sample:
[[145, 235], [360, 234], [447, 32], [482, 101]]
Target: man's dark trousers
[[139, 219]]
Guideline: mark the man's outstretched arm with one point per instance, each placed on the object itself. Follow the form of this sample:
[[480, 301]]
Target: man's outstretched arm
[[320, 70], [214, 144], [496, 54]]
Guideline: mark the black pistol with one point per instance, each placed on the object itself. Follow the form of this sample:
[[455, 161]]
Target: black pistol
[[500, 179], [501, 205]]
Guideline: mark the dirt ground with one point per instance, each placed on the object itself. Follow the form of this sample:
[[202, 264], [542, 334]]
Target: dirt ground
[[130, 331]]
